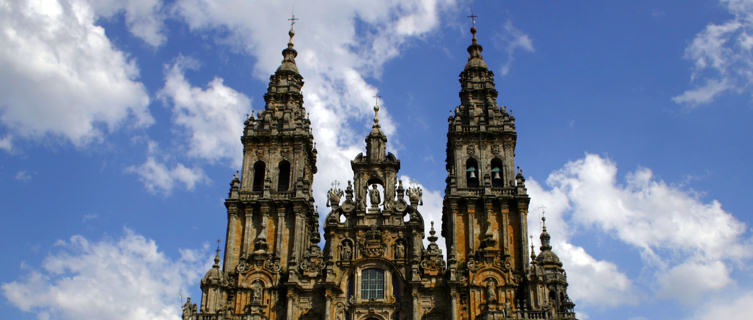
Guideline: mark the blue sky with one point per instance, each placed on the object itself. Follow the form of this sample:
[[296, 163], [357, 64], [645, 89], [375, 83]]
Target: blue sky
[[120, 125]]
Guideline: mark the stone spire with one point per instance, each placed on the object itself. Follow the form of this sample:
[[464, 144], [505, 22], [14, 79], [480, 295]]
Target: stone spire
[[544, 237], [546, 257], [376, 141], [284, 90], [475, 60], [478, 110], [217, 256]]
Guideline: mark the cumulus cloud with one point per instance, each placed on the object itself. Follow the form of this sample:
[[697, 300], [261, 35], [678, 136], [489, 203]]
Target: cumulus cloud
[[6, 144], [722, 56], [511, 40], [592, 281], [213, 117], [61, 76], [706, 277], [736, 308], [158, 178], [124, 279], [144, 18], [678, 235]]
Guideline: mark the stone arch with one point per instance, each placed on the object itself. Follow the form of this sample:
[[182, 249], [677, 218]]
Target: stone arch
[[472, 173], [259, 170], [498, 174], [283, 178]]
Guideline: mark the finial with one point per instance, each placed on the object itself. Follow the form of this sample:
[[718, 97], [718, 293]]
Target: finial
[[432, 234], [376, 109], [291, 33], [473, 28], [533, 251], [217, 256], [543, 223]]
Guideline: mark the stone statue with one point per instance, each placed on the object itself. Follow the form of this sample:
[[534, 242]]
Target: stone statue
[[399, 250], [491, 291], [346, 252], [257, 292], [374, 196], [189, 310]]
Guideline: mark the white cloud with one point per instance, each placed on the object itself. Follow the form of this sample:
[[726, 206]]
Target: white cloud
[[23, 176], [679, 236], [144, 18], [706, 277], [213, 117], [124, 279], [333, 58], [510, 40], [592, 281], [703, 94], [722, 56], [61, 75], [6, 144], [158, 178], [734, 308]]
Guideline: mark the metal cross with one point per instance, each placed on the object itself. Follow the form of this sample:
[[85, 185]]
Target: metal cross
[[473, 18], [292, 20], [376, 99]]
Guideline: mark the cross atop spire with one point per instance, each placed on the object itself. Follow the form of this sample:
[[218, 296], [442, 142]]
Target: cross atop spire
[[292, 20], [473, 17]]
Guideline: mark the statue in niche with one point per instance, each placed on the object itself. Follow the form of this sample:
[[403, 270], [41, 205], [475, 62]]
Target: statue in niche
[[491, 291], [257, 291], [399, 250], [374, 196], [346, 252]]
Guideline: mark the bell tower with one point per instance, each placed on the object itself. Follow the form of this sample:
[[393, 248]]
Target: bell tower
[[486, 203], [272, 228]]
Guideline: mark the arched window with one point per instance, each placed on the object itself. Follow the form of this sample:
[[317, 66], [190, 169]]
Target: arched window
[[372, 284], [283, 180], [497, 173], [259, 168], [471, 172]]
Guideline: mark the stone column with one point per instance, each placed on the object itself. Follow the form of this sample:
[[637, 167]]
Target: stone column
[[453, 247], [248, 231], [232, 245], [416, 307], [289, 315], [471, 235], [298, 230], [503, 229], [523, 214], [280, 251], [453, 304]]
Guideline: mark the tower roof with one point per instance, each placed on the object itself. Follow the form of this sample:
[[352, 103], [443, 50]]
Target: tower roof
[[288, 55], [475, 60], [546, 256]]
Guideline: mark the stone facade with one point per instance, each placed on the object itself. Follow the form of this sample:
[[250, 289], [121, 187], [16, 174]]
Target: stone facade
[[374, 264]]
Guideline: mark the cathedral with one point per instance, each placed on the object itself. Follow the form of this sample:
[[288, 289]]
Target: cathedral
[[374, 265]]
